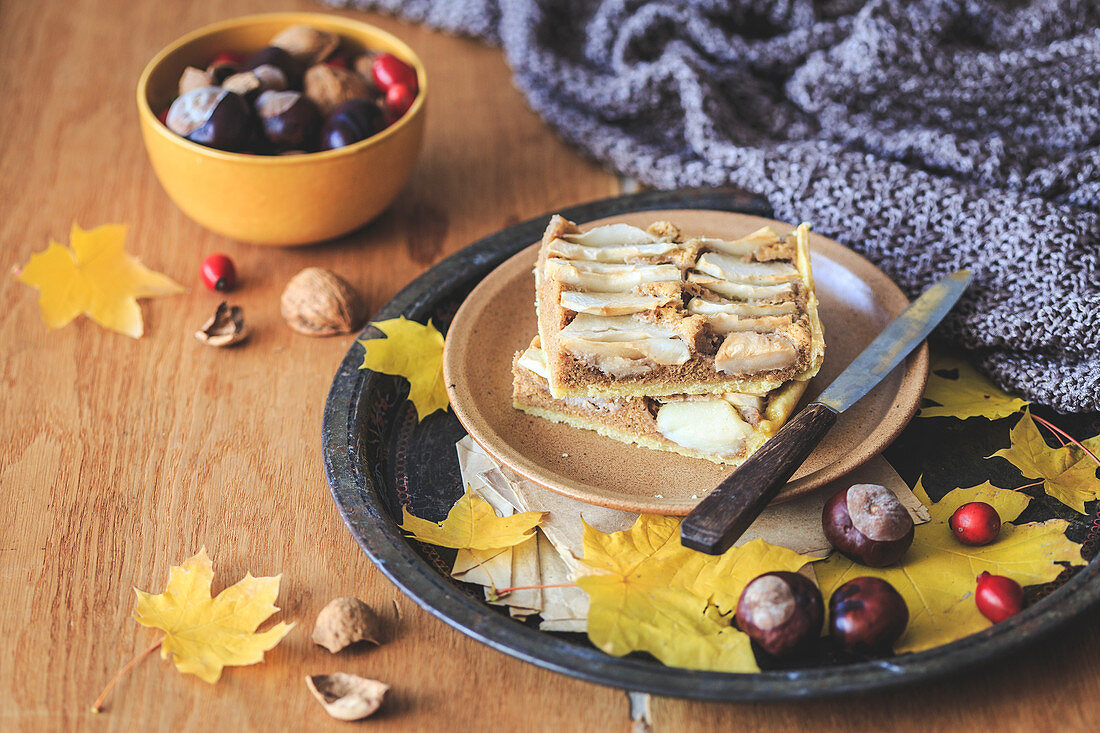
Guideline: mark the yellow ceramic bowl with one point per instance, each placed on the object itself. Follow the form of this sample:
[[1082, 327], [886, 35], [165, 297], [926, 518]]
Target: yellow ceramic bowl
[[277, 200]]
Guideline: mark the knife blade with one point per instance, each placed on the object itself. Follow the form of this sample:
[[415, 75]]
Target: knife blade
[[724, 514]]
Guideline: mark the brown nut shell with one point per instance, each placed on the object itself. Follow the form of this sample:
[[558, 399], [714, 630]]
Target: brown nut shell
[[225, 328], [346, 621], [306, 43], [319, 302], [329, 87], [347, 696]]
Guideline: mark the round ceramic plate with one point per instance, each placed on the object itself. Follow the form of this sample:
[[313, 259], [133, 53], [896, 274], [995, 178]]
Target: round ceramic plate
[[379, 458], [498, 319]]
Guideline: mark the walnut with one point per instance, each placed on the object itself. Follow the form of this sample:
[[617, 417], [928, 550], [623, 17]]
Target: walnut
[[307, 44], [329, 87], [318, 302], [225, 328], [345, 621], [363, 65]]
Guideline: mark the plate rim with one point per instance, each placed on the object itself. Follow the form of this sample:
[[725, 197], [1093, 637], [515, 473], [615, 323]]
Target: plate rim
[[913, 379], [361, 507]]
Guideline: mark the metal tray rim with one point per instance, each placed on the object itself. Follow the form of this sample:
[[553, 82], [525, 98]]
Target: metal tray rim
[[360, 505]]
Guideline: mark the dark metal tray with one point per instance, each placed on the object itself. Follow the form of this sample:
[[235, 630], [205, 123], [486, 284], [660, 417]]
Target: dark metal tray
[[378, 459]]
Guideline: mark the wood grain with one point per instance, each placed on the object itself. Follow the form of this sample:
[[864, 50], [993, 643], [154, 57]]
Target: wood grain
[[119, 458]]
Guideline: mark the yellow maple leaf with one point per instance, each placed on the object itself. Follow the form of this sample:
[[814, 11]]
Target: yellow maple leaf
[[95, 277], [473, 525], [204, 634], [938, 574], [647, 592], [412, 351], [971, 394], [1068, 473]]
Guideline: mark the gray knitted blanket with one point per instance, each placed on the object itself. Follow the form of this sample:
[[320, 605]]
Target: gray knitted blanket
[[929, 135]]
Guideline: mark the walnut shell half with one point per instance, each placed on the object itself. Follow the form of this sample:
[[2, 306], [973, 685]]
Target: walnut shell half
[[307, 44], [329, 87], [319, 302]]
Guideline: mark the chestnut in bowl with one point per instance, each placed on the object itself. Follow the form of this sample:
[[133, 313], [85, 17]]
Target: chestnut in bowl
[[352, 121], [277, 200], [289, 119], [211, 116]]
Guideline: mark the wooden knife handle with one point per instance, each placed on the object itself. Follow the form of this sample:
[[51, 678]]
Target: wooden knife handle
[[724, 514]]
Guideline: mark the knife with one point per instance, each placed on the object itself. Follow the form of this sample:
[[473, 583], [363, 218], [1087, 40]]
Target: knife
[[724, 514]]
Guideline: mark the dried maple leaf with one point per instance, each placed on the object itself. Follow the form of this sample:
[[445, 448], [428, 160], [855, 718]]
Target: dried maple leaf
[[970, 394], [937, 575], [205, 634], [473, 525], [1068, 473], [95, 277], [412, 351], [647, 592]]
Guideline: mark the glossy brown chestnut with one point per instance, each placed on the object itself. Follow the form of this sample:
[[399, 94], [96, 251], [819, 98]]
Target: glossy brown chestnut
[[352, 121], [782, 612], [868, 524], [866, 616], [279, 58], [211, 116], [289, 119]]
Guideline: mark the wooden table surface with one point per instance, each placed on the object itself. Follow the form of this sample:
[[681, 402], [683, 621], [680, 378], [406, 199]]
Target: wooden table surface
[[119, 458]]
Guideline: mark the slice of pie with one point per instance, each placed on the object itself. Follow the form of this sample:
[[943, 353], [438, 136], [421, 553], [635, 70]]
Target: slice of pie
[[625, 312], [724, 428]]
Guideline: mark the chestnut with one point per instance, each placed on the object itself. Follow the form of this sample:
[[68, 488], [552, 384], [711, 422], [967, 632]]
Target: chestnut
[[219, 72], [868, 524], [782, 612], [223, 66], [352, 121], [211, 116], [866, 616], [279, 58], [289, 119]]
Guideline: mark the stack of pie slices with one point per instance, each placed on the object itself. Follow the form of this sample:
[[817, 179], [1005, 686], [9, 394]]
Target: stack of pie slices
[[694, 345]]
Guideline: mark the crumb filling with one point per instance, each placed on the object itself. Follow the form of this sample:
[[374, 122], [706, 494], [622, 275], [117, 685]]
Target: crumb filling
[[723, 428]]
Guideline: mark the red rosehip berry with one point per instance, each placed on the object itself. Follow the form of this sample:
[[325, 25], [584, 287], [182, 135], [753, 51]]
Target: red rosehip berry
[[163, 116], [387, 70], [227, 58], [998, 597], [398, 100], [976, 523], [218, 272], [337, 61]]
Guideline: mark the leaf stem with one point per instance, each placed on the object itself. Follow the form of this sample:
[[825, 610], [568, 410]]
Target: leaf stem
[[97, 706], [1058, 431], [502, 591]]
